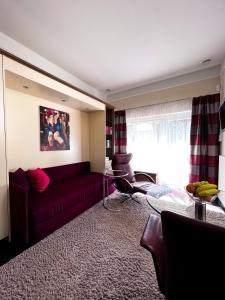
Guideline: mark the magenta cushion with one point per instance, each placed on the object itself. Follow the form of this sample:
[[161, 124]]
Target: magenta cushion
[[38, 179]]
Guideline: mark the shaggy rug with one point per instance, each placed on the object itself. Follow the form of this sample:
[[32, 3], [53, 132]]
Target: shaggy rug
[[95, 256]]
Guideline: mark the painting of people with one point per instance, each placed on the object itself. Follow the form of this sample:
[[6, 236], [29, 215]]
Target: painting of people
[[54, 129]]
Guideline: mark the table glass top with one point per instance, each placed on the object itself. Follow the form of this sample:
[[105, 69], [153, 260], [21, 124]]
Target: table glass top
[[178, 201]]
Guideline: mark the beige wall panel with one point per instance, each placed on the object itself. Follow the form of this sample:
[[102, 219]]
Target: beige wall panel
[[195, 89], [4, 220], [97, 141], [23, 133]]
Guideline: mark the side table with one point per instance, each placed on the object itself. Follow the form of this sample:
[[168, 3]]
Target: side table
[[108, 175]]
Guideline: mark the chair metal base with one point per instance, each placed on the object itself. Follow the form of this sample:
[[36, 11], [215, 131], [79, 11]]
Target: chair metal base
[[124, 197], [129, 196]]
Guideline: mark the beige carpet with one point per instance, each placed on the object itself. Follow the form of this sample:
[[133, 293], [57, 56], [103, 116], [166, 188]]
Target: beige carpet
[[95, 256]]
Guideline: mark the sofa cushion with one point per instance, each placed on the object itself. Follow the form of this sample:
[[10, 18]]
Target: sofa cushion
[[38, 179], [65, 171], [20, 178], [62, 195]]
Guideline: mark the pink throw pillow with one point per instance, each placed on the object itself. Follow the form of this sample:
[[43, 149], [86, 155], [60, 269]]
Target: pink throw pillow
[[38, 179]]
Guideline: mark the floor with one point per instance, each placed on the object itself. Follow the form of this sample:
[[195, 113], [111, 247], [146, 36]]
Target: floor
[[97, 255], [8, 251]]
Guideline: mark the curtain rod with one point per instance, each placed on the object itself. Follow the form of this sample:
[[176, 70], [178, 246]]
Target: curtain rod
[[156, 104]]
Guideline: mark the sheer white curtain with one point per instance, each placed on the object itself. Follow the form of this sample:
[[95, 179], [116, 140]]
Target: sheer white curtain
[[159, 138]]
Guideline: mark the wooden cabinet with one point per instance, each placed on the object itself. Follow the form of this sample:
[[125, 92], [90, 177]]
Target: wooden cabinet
[[109, 132]]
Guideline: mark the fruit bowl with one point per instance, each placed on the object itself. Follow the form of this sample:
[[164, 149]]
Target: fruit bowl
[[202, 198], [202, 191]]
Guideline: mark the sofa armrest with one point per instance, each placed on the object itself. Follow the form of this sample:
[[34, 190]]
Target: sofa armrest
[[19, 214]]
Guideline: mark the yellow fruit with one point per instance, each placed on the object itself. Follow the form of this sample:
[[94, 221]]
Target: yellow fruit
[[207, 186], [199, 183], [207, 192], [203, 182]]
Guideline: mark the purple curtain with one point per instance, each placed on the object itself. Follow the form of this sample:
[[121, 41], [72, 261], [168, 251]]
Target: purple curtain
[[120, 132], [205, 138]]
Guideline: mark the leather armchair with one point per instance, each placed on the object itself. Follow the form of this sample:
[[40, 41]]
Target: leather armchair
[[134, 181], [152, 240], [188, 255]]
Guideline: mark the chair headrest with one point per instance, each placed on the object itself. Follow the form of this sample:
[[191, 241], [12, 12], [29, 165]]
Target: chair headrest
[[123, 158]]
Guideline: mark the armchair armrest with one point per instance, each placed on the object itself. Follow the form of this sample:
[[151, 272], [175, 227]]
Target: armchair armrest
[[19, 214], [152, 240], [122, 185], [142, 176]]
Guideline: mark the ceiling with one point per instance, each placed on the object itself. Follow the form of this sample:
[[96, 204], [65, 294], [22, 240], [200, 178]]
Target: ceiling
[[119, 44]]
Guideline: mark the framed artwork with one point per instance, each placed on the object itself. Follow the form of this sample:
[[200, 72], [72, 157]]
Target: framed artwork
[[54, 129]]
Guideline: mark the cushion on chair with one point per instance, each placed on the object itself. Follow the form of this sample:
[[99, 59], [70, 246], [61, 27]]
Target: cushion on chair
[[158, 191], [141, 186]]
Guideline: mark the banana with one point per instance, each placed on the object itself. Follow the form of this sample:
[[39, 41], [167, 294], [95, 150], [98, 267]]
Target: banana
[[207, 192], [199, 183], [207, 186], [203, 182], [203, 188]]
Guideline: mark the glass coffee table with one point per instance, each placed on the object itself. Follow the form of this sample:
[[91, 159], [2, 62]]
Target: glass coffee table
[[178, 201]]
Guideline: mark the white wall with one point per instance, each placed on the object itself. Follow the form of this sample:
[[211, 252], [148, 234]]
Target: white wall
[[23, 133]]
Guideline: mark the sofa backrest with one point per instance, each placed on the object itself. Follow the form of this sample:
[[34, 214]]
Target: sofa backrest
[[20, 178], [66, 171], [55, 173]]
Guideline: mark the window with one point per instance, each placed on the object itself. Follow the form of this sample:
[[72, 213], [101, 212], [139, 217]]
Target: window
[[159, 138]]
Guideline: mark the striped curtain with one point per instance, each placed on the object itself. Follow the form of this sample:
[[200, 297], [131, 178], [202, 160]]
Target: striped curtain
[[205, 138], [120, 132]]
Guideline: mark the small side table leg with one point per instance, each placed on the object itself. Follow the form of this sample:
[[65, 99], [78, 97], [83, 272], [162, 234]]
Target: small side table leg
[[104, 191], [106, 194], [200, 211]]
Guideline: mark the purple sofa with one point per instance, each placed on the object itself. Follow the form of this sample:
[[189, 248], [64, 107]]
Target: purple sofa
[[72, 190]]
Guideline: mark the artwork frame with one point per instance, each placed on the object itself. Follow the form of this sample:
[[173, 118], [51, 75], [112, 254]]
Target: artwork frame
[[54, 129]]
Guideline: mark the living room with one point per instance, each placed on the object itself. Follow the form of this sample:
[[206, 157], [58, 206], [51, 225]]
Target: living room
[[67, 67]]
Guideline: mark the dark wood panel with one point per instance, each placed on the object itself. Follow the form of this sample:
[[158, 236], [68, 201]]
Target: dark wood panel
[[110, 137], [8, 251]]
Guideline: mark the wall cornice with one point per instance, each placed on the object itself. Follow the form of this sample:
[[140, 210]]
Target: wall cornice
[[167, 83]]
